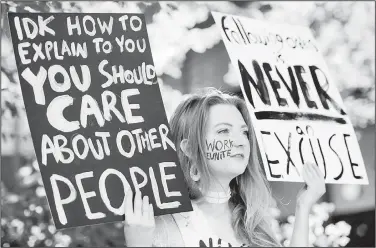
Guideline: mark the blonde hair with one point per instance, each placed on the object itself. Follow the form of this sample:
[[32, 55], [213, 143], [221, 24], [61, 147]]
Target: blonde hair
[[251, 195]]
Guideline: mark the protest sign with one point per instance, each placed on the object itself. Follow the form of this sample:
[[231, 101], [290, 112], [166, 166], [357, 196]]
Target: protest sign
[[296, 109], [96, 115]]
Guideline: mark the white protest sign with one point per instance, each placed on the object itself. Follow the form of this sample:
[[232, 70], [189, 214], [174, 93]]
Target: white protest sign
[[296, 109]]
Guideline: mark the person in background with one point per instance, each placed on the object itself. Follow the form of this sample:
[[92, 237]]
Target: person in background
[[231, 198]]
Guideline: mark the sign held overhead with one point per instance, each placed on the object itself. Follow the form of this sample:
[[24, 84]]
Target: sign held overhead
[[297, 111]]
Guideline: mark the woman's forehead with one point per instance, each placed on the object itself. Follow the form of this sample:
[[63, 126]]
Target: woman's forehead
[[224, 113]]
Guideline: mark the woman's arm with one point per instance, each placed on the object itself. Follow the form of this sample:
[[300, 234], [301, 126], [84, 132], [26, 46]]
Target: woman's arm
[[301, 227], [314, 189]]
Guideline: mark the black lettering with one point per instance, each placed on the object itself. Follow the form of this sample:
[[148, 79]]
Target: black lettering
[[218, 155], [220, 145], [300, 131], [260, 86], [275, 85], [323, 95], [287, 151], [293, 45], [294, 89], [299, 70], [215, 156], [351, 162], [310, 131], [211, 242], [241, 34], [233, 36], [202, 244], [226, 144], [323, 158], [330, 145], [271, 161], [210, 146], [223, 154], [241, 25], [224, 28]]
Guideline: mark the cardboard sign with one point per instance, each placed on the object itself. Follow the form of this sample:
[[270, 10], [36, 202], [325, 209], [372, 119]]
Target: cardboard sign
[[96, 115], [297, 112]]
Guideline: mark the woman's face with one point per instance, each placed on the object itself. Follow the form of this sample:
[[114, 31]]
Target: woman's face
[[226, 147]]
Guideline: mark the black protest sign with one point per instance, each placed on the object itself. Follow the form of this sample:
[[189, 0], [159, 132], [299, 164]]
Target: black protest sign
[[96, 115], [296, 109]]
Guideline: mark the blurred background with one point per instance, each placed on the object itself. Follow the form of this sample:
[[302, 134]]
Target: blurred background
[[188, 55]]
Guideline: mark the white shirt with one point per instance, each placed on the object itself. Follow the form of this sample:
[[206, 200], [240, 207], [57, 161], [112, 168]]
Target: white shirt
[[196, 232]]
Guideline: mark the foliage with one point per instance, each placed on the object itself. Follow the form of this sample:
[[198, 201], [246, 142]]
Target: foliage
[[322, 233]]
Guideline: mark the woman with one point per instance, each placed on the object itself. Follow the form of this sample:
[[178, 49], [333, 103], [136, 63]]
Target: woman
[[230, 195]]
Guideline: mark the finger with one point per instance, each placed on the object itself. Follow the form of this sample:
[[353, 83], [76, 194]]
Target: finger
[[318, 171], [304, 173], [309, 167], [317, 177], [128, 204], [145, 207], [315, 172], [151, 214], [313, 167], [312, 175], [307, 175], [137, 204]]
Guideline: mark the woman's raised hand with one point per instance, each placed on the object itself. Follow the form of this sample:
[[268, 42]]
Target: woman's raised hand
[[139, 223], [307, 196], [314, 188]]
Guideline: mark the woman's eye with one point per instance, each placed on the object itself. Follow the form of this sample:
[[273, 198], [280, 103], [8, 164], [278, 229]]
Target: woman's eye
[[246, 133], [222, 131]]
